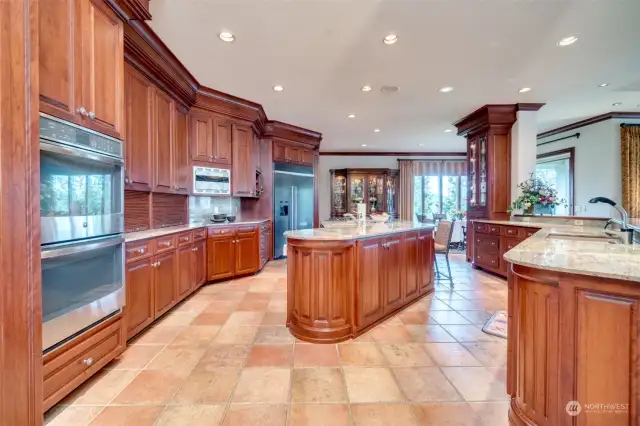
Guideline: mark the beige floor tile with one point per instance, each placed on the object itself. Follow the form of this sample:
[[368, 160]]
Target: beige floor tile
[[255, 415], [64, 415], [253, 305], [128, 416], [273, 334], [415, 318], [222, 307], [448, 317], [430, 333], [361, 354], [245, 318], [319, 415], [469, 333], [275, 318], [101, 388], [477, 383], [363, 338], [150, 387], [490, 354], [316, 356], [192, 415], [224, 355], [236, 334], [425, 384], [263, 385], [371, 384], [446, 414], [135, 357], [277, 306], [451, 355], [476, 317], [211, 318], [177, 359], [317, 385], [492, 413], [382, 415], [197, 335], [392, 334], [436, 305], [176, 319], [406, 355], [270, 356], [207, 387], [158, 335]]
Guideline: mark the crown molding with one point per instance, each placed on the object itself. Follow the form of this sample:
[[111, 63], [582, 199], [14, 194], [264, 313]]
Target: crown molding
[[589, 121], [485, 116], [528, 107], [288, 132]]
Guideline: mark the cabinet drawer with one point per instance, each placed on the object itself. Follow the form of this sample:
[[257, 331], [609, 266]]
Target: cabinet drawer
[[164, 244], [494, 229], [530, 231], [220, 232], [199, 234], [185, 238], [487, 242], [67, 367], [245, 229], [512, 231], [487, 259], [510, 243], [138, 250], [481, 227]]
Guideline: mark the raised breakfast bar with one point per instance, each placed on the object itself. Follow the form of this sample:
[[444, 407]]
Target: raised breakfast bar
[[343, 281]]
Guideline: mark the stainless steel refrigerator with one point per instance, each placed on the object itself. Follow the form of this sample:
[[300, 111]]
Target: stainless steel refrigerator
[[292, 202]]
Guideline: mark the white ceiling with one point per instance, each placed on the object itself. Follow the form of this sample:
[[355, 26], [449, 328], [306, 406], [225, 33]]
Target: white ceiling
[[323, 51]]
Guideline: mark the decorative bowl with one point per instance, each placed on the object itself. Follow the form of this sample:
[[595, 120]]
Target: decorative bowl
[[231, 219], [219, 216], [380, 218]]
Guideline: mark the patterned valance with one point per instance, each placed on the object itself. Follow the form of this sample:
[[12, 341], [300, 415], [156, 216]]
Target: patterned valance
[[438, 167]]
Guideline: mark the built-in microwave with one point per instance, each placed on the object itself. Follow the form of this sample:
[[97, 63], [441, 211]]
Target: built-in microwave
[[211, 181]]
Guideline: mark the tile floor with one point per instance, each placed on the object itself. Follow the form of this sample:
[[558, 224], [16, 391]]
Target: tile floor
[[223, 357]]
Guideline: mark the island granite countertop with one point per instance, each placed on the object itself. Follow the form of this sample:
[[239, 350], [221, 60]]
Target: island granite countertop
[[355, 232], [583, 257]]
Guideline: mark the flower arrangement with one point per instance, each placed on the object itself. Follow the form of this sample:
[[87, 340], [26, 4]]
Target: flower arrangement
[[459, 215], [536, 191]]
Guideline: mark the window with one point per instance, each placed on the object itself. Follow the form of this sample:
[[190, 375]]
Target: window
[[557, 168], [439, 194]]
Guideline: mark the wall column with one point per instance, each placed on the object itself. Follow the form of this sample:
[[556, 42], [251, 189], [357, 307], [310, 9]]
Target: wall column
[[523, 145]]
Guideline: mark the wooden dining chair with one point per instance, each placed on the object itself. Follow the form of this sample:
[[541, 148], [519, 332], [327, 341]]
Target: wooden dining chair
[[442, 243]]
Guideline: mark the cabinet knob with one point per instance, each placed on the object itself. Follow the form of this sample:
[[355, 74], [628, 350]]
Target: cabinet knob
[[82, 111], [194, 249], [127, 180], [211, 157], [91, 115], [88, 361]]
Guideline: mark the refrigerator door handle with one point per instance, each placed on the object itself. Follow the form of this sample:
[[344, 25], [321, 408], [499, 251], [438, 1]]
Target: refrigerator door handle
[[292, 210]]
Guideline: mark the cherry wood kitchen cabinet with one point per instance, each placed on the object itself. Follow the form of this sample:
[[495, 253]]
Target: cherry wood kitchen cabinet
[[138, 141], [211, 137], [306, 157], [163, 142], [247, 251], [412, 278], [222, 141], [186, 274], [393, 275], [232, 251], [426, 257], [82, 64], [243, 174], [164, 282], [199, 259], [140, 296], [221, 256], [290, 153], [181, 162], [371, 282]]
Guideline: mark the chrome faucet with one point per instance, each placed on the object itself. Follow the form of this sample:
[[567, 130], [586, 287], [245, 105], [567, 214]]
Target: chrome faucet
[[624, 217]]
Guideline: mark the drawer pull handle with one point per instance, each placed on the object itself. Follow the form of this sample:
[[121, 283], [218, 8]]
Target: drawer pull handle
[[167, 244], [88, 362], [493, 243], [194, 249]]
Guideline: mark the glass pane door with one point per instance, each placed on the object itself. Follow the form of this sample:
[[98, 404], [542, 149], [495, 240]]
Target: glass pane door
[[357, 194], [376, 194]]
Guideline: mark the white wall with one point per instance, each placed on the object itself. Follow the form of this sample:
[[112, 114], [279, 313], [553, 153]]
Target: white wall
[[597, 164], [328, 162]]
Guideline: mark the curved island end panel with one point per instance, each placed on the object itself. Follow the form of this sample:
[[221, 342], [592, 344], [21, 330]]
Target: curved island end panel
[[344, 281]]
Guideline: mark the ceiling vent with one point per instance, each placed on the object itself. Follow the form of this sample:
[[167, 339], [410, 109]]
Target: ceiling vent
[[389, 89]]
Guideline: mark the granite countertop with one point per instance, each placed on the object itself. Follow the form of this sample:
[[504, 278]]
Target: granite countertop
[[354, 232], [584, 257], [153, 233], [513, 223]]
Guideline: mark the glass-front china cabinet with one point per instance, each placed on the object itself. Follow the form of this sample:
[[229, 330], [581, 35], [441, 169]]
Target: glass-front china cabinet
[[376, 188]]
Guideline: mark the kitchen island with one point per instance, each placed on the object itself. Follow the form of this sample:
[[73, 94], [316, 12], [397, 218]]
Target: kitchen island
[[573, 309], [342, 281]]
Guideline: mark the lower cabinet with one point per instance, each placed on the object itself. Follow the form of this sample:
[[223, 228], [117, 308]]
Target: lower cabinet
[[370, 285], [247, 252], [199, 259], [185, 280], [393, 272], [139, 304], [221, 257], [233, 252], [164, 280], [426, 258], [412, 275]]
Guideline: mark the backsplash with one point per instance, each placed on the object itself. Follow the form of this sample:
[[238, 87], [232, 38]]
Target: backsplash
[[201, 208]]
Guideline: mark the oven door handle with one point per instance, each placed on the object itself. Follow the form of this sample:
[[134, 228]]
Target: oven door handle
[[77, 152], [65, 249]]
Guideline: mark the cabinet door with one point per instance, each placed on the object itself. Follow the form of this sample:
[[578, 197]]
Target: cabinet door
[[279, 153], [247, 253], [221, 259], [185, 274], [412, 271], [294, 154], [164, 282], [222, 136], [306, 157], [102, 68], [140, 298], [200, 263], [182, 165], [201, 137], [138, 90], [393, 279], [162, 142], [370, 295], [243, 171], [425, 262], [60, 58]]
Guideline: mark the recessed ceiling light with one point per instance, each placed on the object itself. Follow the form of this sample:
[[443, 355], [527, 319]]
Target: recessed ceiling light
[[567, 41], [364, 144], [445, 89], [448, 130], [603, 85], [278, 88], [351, 116], [617, 104], [376, 130], [525, 89], [390, 39], [366, 88], [227, 37]]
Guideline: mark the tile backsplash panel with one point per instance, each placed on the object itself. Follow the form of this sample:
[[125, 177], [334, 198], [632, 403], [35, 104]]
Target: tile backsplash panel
[[201, 208]]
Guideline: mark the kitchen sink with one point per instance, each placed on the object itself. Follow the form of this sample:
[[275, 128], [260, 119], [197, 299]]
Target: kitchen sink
[[605, 238]]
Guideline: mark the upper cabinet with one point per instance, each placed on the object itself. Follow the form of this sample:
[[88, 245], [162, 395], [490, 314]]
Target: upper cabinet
[[289, 153], [82, 64], [181, 162], [243, 174], [211, 138], [163, 142], [138, 139]]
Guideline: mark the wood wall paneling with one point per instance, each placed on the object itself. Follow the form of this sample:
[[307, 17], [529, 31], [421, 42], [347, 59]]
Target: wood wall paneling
[[20, 288]]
